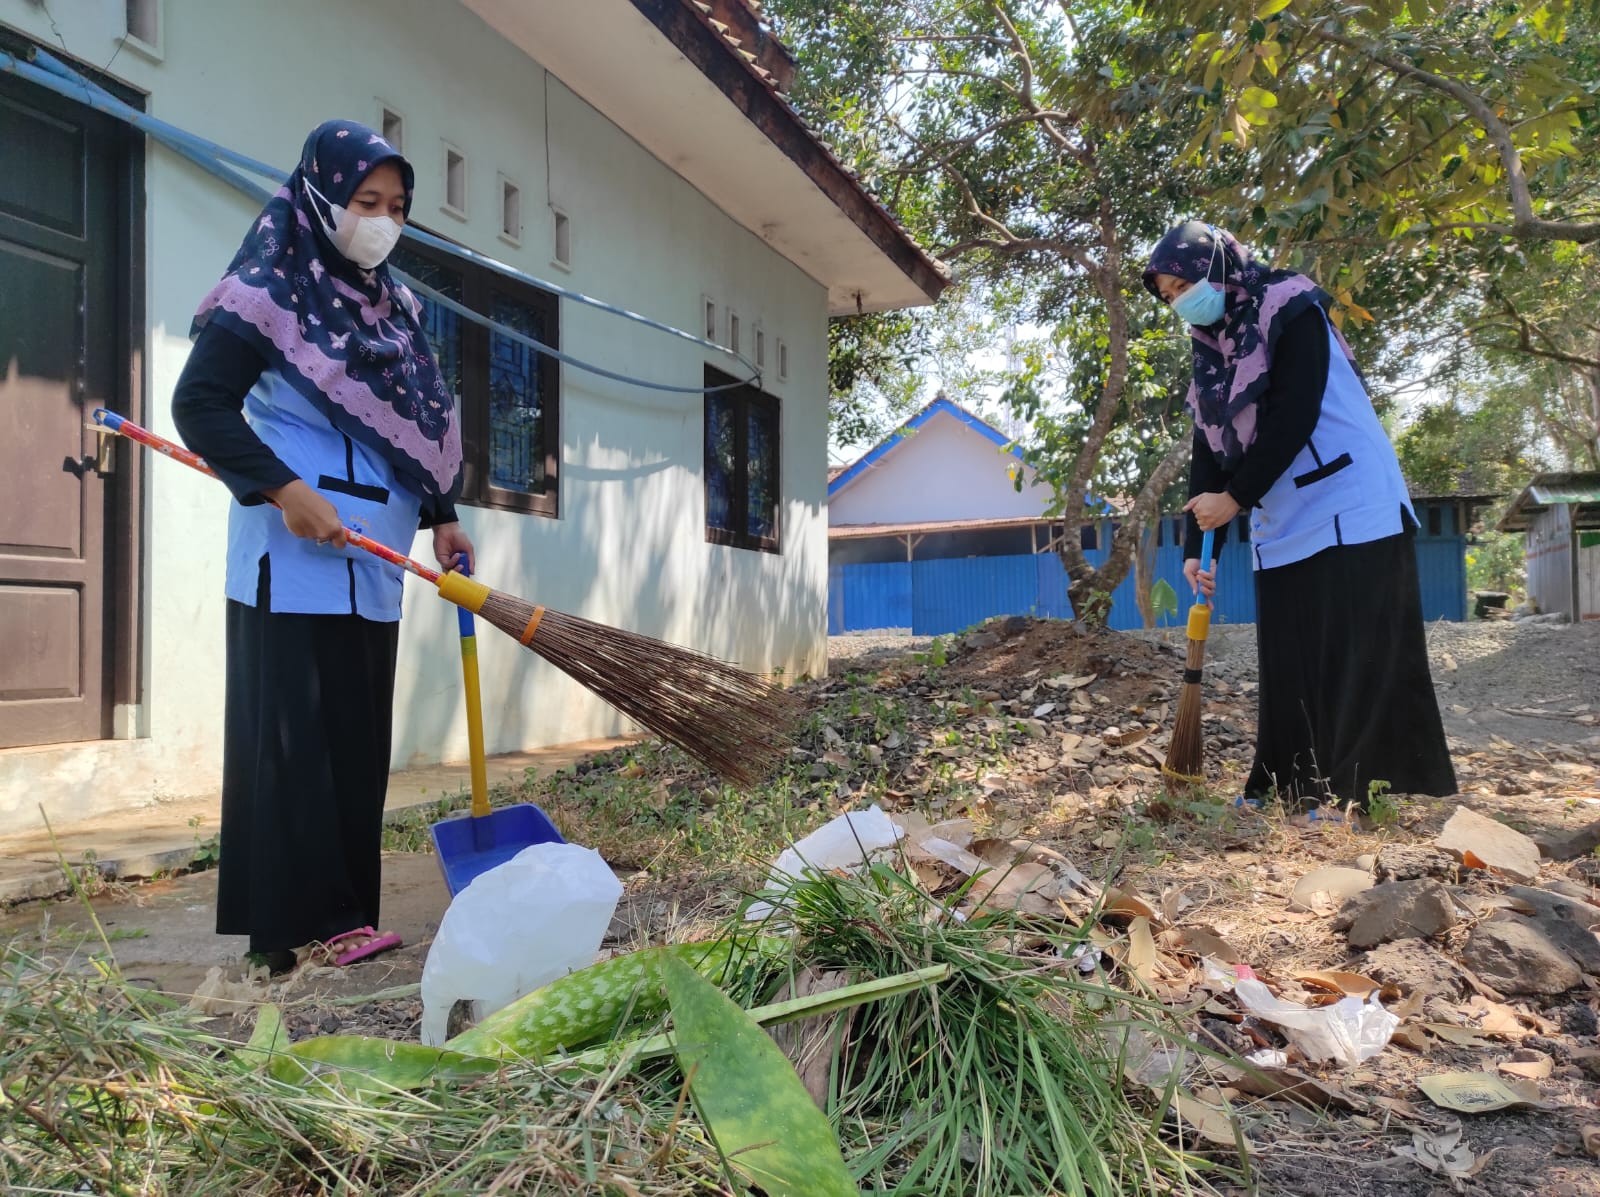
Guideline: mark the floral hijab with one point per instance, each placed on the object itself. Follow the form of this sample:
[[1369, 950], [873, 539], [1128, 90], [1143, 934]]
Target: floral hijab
[[345, 338], [1233, 357]]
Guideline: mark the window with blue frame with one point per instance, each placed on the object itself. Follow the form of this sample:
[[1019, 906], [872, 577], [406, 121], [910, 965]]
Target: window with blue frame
[[508, 393], [742, 451]]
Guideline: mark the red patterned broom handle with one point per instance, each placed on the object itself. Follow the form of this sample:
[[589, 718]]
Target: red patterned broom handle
[[111, 421]]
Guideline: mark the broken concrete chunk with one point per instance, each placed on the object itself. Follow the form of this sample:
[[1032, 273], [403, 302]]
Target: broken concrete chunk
[[1512, 955], [1416, 967], [1397, 910], [1407, 862], [1482, 843]]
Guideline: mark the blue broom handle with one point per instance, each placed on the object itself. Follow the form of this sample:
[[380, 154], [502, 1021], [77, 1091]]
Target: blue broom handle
[[1207, 542]]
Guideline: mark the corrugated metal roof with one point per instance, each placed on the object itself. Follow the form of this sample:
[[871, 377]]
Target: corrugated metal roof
[[1567, 493], [862, 531], [1578, 491]]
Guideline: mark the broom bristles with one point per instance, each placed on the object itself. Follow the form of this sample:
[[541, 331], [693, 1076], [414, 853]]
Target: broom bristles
[[733, 722], [1186, 752]]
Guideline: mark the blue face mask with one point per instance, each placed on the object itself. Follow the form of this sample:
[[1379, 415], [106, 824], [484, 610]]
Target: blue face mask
[[1202, 304]]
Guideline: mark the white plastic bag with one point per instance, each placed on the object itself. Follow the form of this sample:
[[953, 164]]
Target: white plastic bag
[[1347, 1032], [522, 924], [842, 843]]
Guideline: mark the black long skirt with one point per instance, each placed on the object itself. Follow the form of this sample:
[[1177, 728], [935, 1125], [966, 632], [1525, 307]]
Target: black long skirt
[[1346, 697], [305, 768]]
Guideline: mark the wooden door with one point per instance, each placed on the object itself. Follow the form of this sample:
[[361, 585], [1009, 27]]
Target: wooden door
[[60, 313]]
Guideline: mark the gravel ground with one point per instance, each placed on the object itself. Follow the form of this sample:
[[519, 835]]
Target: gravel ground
[[1523, 681]]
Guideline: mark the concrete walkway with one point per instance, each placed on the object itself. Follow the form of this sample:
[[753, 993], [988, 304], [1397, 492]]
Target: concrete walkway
[[143, 841]]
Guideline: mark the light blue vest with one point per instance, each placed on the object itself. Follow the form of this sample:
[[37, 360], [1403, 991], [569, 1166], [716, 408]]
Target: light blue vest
[[308, 579], [1343, 487]]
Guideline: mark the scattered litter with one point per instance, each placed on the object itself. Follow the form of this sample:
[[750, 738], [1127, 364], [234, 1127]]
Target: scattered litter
[[842, 843], [520, 925], [1477, 1092], [1347, 1032]]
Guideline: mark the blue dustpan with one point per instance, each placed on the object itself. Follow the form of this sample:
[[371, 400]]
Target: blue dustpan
[[475, 843]]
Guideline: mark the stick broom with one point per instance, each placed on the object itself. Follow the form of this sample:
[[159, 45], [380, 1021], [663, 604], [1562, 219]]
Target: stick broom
[[733, 722], [1185, 764]]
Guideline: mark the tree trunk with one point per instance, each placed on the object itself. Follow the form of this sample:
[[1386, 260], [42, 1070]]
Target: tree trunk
[[1144, 575], [1090, 588]]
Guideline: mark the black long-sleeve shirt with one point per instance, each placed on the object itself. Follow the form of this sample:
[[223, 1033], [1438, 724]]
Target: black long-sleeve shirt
[[208, 408], [1286, 417]]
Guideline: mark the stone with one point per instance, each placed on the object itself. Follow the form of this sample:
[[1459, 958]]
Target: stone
[[1579, 943], [1397, 910], [1407, 862], [1490, 845], [1569, 845], [1580, 1021], [1416, 967], [1583, 894], [1512, 955], [1546, 903]]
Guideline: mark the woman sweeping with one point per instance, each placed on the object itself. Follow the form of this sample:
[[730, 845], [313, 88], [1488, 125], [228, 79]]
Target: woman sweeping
[[1284, 429], [312, 392]]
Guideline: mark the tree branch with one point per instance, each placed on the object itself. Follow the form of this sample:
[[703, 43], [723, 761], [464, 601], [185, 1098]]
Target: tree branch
[[1525, 223]]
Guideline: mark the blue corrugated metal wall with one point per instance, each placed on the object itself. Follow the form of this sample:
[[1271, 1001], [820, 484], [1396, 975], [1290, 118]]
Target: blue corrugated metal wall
[[938, 597]]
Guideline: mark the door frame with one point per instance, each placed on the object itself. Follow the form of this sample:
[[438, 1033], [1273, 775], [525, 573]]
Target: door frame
[[125, 713]]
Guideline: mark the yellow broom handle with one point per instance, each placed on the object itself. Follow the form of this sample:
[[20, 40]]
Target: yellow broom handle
[[469, 675]]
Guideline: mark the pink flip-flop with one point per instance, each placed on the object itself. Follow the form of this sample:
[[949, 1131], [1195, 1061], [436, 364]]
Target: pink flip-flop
[[375, 945]]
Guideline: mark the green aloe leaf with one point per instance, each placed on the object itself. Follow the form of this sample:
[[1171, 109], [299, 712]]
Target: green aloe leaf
[[746, 1092], [361, 1064], [590, 1004]]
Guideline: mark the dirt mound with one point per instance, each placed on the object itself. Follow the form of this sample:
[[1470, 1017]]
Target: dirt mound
[[1017, 652]]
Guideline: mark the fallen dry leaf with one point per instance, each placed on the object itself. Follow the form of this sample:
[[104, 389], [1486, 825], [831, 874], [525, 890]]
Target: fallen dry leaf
[[1530, 1070], [1445, 1154], [1349, 984], [1497, 1018], [1119, 902], [1460, 1036], [1200, 941], [1259, 1081], [1141, 950], [1025, 887], [1214, 1124], [1411, 1035], [1323, 889]]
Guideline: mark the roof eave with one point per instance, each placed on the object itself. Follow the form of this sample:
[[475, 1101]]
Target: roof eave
[[690, 30]]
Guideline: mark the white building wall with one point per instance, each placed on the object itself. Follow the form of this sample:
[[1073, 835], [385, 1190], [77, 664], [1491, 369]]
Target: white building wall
[[944, 470], [629, 548]]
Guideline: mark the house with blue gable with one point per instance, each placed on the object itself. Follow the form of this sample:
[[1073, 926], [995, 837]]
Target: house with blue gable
[[942, 525]]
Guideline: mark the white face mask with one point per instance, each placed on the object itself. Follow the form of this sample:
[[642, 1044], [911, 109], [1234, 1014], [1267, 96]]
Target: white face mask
[[365, 240]]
